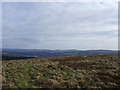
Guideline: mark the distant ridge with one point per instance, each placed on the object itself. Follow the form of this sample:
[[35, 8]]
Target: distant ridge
[[41, 53]]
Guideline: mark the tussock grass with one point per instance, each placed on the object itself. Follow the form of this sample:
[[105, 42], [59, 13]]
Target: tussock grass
[[97, 71]]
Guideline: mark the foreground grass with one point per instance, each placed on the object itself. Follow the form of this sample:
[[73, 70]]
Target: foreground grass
[[97, 71]]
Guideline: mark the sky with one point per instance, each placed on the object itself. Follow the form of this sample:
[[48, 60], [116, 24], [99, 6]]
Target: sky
[[60, 25]]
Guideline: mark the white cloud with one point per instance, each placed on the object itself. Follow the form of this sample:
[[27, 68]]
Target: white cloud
[[62, 25], [59, 0]]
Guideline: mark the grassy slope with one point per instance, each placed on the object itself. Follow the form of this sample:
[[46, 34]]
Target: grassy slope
[[67, 72]]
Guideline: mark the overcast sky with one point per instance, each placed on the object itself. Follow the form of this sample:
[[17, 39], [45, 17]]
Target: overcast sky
[[64, 25]]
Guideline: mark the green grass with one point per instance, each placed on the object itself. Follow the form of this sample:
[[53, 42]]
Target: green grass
[[97, 71]]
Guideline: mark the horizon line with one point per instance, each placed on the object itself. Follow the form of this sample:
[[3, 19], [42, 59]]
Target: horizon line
[[57, 49]]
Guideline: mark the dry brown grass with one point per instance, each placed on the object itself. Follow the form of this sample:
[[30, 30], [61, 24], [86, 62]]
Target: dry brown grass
[[97, 71]]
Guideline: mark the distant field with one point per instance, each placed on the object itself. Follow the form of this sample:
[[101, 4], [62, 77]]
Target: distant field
[[95, 71]]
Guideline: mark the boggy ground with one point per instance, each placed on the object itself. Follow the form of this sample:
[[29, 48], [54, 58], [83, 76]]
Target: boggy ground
[[97, 71]]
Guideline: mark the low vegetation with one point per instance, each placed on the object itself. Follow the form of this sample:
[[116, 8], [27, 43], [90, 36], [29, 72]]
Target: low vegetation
[[96, 71]]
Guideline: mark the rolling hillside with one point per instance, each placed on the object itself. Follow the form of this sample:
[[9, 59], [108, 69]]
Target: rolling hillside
[[93, 71]]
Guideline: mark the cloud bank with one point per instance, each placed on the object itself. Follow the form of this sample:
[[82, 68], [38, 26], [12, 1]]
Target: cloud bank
[[64, 25]]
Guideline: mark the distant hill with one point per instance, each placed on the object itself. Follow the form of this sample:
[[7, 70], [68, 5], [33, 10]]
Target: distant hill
[[13, 57], [42, 53]]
